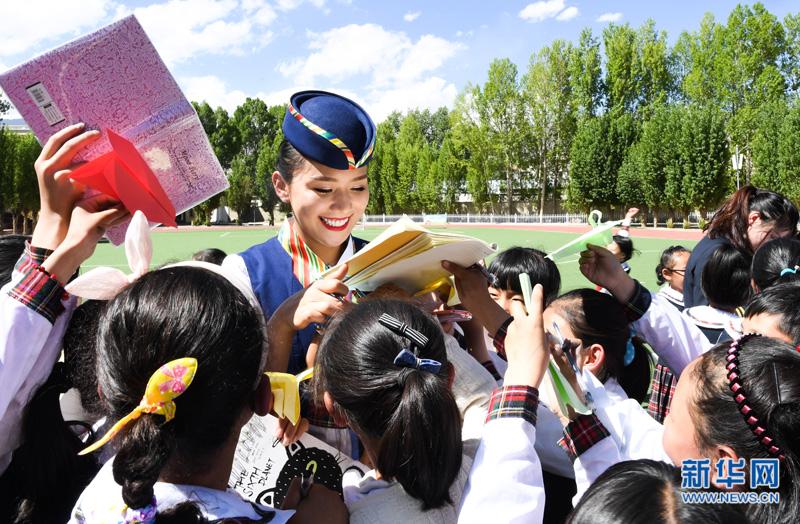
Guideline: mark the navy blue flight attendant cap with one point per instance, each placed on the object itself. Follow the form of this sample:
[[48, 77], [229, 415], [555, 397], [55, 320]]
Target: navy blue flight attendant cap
[[329, 129]]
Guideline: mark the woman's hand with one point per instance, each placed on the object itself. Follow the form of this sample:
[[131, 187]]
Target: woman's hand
[[288, 433]]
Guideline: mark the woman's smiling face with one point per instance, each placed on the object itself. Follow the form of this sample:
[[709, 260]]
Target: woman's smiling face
[[326, 203]]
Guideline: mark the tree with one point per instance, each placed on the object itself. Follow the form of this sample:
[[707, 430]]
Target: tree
[[239, 195], [5, 105], [643, 174], [704, 158], [548, 99], [789, 153], [20, 189], [768, 134], [598, 150], [408, 145], [265, 166], [586, 75], [499, 110]]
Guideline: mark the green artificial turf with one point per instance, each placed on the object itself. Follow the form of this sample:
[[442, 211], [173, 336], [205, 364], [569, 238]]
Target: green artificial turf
[[171, 246]]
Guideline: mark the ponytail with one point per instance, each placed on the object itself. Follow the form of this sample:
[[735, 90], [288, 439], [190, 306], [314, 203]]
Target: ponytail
[[143, 453], [776, 261], [409, 413], [634, 378], [421, 446], [731, 219]]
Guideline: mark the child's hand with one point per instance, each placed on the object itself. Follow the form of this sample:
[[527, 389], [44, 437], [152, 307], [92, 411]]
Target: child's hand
[[288, 433], [88, 223], [320, 504], [601, 267], [57, 192], [471, 285], [632, 212], [526, 348]]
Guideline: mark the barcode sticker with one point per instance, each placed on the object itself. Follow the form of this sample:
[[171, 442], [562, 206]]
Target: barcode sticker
[[42, 99]]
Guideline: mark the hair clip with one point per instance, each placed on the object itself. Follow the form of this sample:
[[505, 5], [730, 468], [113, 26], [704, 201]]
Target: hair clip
[[789, 270], [164, 386], [404, 330], [740, 397], [407, 359], [630, 353]]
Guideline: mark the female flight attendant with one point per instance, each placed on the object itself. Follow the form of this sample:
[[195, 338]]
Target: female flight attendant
[[322, 175]]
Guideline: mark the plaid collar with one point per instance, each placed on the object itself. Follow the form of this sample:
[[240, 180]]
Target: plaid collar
[[306, 265]]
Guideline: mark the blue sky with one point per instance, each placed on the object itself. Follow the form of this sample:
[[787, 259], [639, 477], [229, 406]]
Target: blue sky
[[387, 55]]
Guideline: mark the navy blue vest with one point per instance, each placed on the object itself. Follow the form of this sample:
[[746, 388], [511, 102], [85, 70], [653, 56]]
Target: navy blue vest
[[270, 269]]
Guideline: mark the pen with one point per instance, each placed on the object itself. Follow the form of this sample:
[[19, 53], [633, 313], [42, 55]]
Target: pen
[[488, 276], [305, 485]]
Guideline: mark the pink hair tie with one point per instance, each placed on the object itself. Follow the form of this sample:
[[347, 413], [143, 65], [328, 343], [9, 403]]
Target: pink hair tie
[[740, 397]]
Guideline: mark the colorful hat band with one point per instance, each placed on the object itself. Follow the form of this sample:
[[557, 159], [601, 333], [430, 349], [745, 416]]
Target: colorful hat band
[[330, 137], [740, 397]]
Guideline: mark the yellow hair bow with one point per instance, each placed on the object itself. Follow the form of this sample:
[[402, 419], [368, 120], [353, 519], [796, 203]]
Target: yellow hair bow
[[166, 384], [286, 392]]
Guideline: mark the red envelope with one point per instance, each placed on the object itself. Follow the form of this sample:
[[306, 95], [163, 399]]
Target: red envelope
[[124, 175]]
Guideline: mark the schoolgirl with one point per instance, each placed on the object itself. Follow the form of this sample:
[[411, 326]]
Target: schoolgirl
[[669, 274], [775, 262], [180, 399], [384, 370]]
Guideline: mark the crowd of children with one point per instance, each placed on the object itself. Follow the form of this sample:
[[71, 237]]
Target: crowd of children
[[123, 397]]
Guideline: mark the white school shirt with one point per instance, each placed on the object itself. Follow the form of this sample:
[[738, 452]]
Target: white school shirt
[[672, 335], [505, 483], [29, 347], [101, 501], [634, 434]]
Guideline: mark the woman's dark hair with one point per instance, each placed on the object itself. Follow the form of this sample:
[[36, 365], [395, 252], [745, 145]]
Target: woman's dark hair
[[11, 248], [730, 220], [173, 313], [46, 476], [409, 413], [289, 161], [646, 492], [667, 261], [508, 265], [782, 300], [772, 258], [726, 278], [597, 318], [80, 355], [769, 371], [211, 255], [625, 246]]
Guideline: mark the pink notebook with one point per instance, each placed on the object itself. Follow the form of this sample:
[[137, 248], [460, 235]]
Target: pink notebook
[[115, 79]]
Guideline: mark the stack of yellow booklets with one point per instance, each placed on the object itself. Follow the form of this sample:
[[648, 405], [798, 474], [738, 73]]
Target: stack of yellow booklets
[[410, 257]]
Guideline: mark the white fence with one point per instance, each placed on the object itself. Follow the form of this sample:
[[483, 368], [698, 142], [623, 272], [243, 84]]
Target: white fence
[[564, 218]]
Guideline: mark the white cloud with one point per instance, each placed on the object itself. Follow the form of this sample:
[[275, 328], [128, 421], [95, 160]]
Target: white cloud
[[387, 56], [213, 90], [568, 14], [397, 72], [288, 5], [538, 11], [411, 16], [26, 26], [430, 93], [609, 17], [183, 29]]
